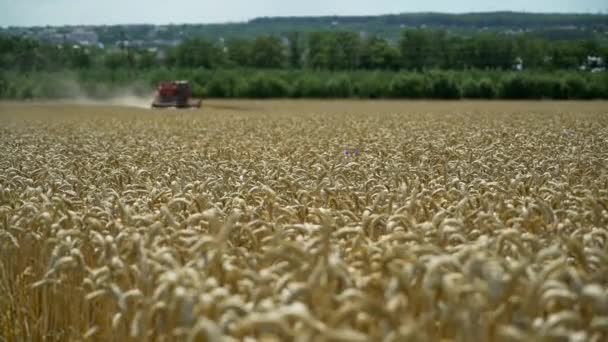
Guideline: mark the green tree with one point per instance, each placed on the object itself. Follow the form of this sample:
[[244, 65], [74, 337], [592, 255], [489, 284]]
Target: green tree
[[409, 86], [567, 55], [116, 60], [198, 52], [415, 47], [239, 51], [372, 85], [482, 89], [318, 55], [334, 50], [295, 50], [146, 60], [492, 52], [225, 85], [3, 86], [268, 52], [377, 53], [308, 85], [267, 86], [80, 58], [344, 51], [339, 87], [444, 86], [532, 51]]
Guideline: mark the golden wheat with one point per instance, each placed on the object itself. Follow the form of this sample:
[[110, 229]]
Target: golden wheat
[[468, 221]]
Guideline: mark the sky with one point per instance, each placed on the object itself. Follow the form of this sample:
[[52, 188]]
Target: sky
[[109, 12]]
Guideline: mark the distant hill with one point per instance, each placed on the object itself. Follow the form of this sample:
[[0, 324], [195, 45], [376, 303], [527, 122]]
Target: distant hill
[[546, 25], [390, 26], [510, 20]]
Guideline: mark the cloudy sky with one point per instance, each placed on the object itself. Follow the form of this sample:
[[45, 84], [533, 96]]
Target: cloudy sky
[[94, 12]]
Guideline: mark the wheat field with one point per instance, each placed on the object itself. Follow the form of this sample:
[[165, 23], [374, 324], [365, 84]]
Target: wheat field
[[305, 221]]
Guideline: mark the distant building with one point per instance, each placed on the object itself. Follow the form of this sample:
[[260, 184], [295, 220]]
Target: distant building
[[513, 32], [50, 35], [593, 64], [519, 64], [82, 37], [138, 43], [120, 44]]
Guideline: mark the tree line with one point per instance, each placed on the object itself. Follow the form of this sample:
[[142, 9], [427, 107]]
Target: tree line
[[469, 20], [422, 64], [255, 83], [416, 50]]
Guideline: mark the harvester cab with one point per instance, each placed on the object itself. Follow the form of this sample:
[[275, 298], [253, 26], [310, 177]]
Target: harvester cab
[[175, 94]]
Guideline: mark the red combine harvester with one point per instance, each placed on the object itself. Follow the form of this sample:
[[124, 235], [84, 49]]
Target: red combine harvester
[[175, 94]]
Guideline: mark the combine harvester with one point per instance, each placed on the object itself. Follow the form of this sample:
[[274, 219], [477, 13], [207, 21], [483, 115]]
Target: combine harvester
[[175, 94]]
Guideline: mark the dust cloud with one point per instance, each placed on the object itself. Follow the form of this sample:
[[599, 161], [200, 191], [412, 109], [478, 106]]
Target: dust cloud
[[135, 95], [127, 100]]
